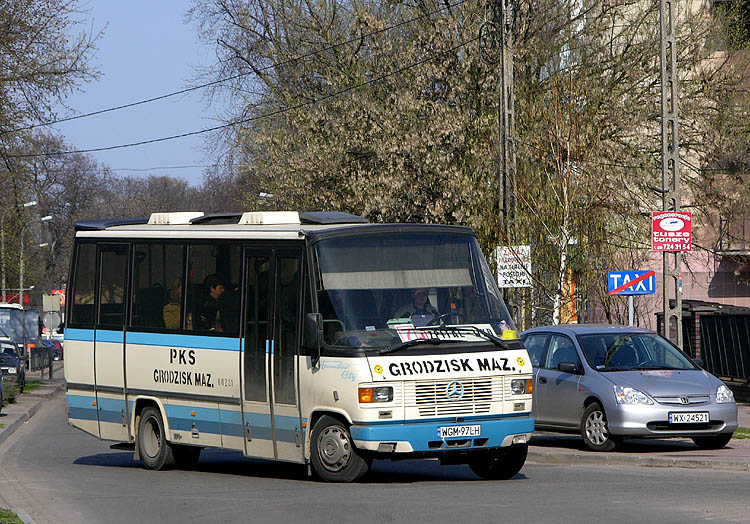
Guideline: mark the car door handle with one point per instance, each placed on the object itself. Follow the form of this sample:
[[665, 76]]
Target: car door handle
[[543, 380]]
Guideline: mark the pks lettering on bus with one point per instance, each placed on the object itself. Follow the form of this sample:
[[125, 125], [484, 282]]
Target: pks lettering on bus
[[182, 356]]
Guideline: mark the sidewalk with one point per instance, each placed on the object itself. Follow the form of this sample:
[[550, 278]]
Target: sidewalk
[[14, 415], [555, 448]]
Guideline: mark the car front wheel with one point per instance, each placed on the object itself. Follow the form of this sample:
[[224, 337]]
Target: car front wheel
[[595, 431]]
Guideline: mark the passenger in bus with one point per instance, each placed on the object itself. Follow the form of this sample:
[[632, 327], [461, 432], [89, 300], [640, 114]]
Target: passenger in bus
[[419, 310], [172, 311], [209, 315]]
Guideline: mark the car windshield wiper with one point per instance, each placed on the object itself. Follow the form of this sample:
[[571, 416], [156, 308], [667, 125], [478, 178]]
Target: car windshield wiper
[[414, 342], [654, 366]]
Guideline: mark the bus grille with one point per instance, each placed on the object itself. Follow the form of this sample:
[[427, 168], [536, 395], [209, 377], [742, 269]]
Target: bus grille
[[430, 397]]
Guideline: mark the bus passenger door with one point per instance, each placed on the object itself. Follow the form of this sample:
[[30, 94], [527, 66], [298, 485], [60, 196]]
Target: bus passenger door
[[109, 341], [285, 342], [271, 416]]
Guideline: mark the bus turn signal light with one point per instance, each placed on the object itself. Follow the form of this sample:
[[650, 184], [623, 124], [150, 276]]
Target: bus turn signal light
[[365, 395]]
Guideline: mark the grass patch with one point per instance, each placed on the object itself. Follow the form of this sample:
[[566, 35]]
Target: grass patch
[[8, 517], [31, 385], [742, 433]]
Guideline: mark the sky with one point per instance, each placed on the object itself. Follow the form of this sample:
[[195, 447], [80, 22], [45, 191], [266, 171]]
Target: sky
[[146, 50]]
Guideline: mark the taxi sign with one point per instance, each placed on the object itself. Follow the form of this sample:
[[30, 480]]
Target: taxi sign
[[631, 282]]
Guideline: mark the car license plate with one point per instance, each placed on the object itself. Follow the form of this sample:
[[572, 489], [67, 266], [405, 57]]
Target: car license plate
[[688, 418], [459, 431]]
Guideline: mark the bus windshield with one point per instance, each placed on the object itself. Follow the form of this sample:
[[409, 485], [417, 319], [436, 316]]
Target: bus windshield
[[11, 324], [369, 285]]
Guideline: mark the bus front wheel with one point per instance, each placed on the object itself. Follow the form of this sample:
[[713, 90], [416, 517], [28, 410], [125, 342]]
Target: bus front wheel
[[155, 451], [333, 455], [502, 464]]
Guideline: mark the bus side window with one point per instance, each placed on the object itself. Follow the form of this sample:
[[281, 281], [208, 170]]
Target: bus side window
[[158, 271], [82, 304], [213, 294]]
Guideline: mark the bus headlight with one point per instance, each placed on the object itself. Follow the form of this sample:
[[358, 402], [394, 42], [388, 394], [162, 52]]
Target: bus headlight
[[521, 386], [376, 394]]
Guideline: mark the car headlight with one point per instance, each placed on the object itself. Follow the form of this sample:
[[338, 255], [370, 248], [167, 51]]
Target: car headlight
[[631, 396], [376, 394], [11, 371], [520, 386], [724, 394]]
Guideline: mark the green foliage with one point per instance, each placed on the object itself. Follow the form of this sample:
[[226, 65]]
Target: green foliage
[[10, 392], [400, 123], [8, 517]]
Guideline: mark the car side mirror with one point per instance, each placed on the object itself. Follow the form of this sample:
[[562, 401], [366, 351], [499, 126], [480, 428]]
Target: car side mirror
[[312, 335], [699, 362], [568, 367]]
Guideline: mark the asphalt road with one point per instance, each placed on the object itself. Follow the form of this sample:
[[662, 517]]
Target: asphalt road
[[51, 473]]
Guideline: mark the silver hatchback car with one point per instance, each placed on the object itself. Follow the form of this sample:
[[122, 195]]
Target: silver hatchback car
[[612, 382]]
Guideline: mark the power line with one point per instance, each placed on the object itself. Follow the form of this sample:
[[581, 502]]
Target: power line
[[235, 77], [259, 117]]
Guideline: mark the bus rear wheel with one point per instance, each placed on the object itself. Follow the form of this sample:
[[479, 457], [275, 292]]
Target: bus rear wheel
[[155, 451], [502, 464], [333, 455]]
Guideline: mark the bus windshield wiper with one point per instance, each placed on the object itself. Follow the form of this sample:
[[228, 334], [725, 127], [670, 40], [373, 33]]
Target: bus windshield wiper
[[414, 342]]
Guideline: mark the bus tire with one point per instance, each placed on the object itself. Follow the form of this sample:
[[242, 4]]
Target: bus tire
[[333, 455], [186, 457], [154, 450], [502, 464]]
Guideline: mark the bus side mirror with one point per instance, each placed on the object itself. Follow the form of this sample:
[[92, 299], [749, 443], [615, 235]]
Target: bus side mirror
[[313, 335]]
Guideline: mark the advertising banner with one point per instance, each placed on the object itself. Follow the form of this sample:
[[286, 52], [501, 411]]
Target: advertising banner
[[672, 231]]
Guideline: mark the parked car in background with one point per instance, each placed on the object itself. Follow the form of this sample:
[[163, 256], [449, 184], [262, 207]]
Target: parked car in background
[[609, 383], [55, 347], [12, 363]]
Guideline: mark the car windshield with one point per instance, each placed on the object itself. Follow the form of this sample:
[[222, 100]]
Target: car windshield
[[7, 353], [370, 286], [632, 351]]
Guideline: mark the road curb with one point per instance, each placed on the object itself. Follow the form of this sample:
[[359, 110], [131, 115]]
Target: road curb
[[542, 457]]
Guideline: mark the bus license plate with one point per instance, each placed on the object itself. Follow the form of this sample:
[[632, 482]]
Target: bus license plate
[[459, 431], [689, 418]]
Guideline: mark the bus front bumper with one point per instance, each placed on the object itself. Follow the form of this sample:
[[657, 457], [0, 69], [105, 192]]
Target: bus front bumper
[[418, 437]]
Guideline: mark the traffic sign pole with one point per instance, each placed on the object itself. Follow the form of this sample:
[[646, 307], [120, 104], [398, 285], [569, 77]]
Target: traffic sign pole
[[631, 311]]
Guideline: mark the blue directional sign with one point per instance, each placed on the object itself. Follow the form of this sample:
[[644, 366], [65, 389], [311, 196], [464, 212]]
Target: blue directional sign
[[631, 282]]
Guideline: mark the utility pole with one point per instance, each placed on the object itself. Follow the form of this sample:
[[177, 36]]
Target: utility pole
[[496, 46], [670, 165]]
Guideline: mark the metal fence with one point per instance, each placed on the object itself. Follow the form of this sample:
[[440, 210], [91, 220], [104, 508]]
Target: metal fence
[[40, 358], [725, 345]]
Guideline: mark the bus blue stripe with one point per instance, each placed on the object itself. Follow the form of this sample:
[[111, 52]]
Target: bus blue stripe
[[84, 335], [155, 339], [207, 420], [103, 335], [191, 341]]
